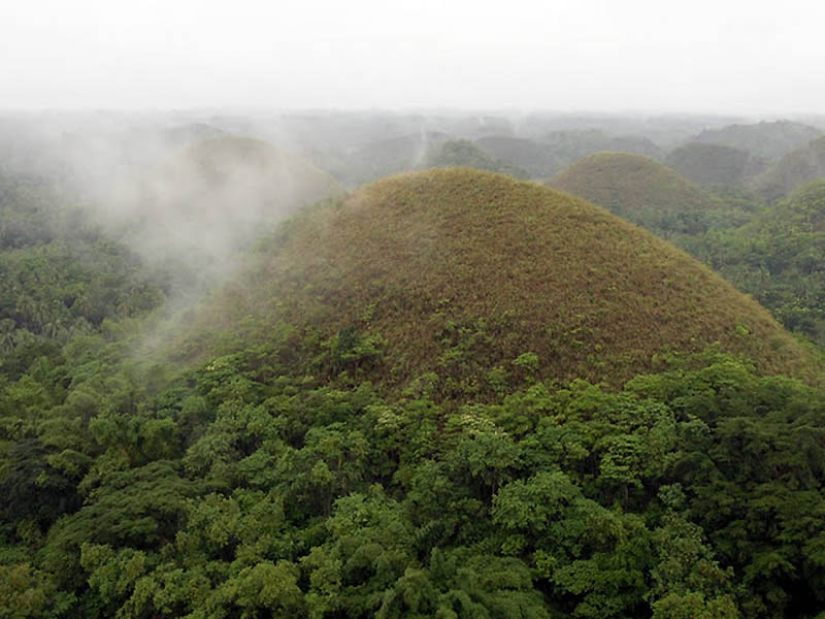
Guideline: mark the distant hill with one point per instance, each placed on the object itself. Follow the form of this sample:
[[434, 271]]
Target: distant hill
[[389, 156], [770, 140], [464, 153], [447, 274], [570, 146], [793, 170], [534, 158], [642, 191], [713, 165]]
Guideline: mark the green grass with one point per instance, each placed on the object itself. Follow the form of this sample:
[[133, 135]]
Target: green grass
[[458, 272]]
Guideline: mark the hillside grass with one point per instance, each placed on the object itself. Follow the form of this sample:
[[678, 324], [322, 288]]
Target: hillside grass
[[461, 273]]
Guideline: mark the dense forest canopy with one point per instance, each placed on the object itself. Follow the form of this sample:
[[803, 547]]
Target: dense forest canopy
[[447, 394]]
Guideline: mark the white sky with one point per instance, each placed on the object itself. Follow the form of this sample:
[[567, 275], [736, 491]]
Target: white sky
[[726, 56]]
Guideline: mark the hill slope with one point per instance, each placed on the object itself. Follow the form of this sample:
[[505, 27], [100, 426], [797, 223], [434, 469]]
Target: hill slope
[[794, 169], [458, 271], [642, 191]]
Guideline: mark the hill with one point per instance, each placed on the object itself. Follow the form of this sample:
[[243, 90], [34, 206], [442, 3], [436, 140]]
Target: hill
[[467, 154], [386, 156], [642, 191], [456, 272], [794, 169], [769, 140], [713, 165], [536, 159], [572, 145]]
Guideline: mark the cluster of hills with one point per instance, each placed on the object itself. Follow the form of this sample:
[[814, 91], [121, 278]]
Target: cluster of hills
[[241, 375]]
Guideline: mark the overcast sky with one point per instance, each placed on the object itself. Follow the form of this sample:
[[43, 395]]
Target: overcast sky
[[727, 56]]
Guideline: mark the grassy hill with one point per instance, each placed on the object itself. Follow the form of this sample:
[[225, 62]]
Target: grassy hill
[[457, 274], [769, 140], [794, 169], [644, 192], [713, 165]]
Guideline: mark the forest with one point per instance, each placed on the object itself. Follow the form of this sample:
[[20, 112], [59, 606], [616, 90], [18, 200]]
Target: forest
[[350, 365]]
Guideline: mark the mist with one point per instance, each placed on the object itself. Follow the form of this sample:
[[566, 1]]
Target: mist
[[721, 58]]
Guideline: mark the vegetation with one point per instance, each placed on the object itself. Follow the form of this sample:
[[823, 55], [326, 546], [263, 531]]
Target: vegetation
[[449, 394], [803, 165], [778, 258], [60, 276], [647, 193]]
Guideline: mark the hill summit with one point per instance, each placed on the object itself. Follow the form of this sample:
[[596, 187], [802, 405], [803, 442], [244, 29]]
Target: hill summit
[[452, 273]]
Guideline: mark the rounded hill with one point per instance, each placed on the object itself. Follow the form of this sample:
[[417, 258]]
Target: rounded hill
[[640, 190], [452, 274]]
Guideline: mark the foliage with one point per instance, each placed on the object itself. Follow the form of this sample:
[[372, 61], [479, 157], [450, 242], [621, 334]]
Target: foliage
[[778, 259]]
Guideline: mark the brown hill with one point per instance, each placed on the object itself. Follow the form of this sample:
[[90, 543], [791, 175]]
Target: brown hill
[[451, 273]]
